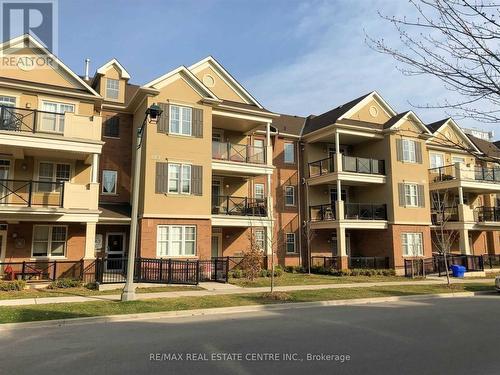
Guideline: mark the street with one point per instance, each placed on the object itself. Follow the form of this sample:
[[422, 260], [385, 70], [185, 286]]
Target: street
[[438, 336]]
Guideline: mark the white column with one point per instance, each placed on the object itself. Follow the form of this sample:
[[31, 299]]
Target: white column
[[464, 242], [90, 241], [460, 195], [95, 168], [269, 146], [339, 204], [338, 155], [341, 242]]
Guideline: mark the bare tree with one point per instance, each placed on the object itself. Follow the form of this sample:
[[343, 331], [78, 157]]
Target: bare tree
[[444, 208], [457, 42], [309, 233]]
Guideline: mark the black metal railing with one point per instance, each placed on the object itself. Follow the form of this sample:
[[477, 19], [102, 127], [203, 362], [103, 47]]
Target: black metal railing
[[325, 262], [322, 212], [477, 173], [365, 211], [375, 263], [491, 260], [487, 173], [362, 165], [444, 173], [321, 167], [487, 214], [239, 206], [48, 270], [444, 215], [238, 153], [234, 262], [29, 193], [420, 267], [30, 120]]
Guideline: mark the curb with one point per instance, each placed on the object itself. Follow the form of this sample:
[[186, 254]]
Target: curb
[[227, 310]]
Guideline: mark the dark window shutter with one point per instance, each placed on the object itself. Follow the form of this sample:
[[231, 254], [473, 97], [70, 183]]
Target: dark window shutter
[[162, 124], [418, 152], [112, 127], [401, 191], [399, 149], [197, 179], [198, 122], [421, 196], [161, 185]]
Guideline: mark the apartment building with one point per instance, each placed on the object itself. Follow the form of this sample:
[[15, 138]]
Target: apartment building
[[220, 172]]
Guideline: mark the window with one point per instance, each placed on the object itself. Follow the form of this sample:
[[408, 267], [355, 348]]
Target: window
[[7, 101], [259, 191], [289, 195], [290, 243], [112, 88], [50, 173], [49, 240], [52, 117], [109, 181], [179, 178], [411, 195], [458, 159], [180, 120], [176, 240], [260, 239], [436, 160], [8, 120], [412, 244], [289, 153], [409, 150], [112, 127], [259, 151]]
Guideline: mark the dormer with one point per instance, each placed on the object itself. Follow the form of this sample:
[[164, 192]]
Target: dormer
[[110, 80]]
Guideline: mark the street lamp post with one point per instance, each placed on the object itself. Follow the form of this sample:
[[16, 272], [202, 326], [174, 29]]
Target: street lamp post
[[153, 114]]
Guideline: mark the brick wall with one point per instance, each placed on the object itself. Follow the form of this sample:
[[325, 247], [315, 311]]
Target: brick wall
[[397, 259]]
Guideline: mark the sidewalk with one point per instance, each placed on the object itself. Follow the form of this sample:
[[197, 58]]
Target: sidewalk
[[213, 289]]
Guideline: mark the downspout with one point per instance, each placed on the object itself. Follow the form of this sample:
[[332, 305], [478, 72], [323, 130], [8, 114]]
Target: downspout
[[299, 200]]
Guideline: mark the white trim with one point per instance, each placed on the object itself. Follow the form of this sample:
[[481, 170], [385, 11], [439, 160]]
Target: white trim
[[219, 243], [294, 243], [116, 182], [373, 95], [226, 77], [405, 117], [294, 204], [11, 43], [294, 161], [103, 69], [181, 119], [182, 240], [3, 244], [460, 132], [49, 242]]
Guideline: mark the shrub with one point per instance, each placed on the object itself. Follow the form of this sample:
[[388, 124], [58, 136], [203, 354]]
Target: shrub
[[92, 286], [278, 271], [252, 260], [237, 273], [290, 269], [389, 272], [6, 286], [264, 273], [277, 296], [65, 283]]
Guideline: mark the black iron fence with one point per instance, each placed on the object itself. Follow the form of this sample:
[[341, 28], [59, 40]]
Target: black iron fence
[[240, 206], [365, 211], [488, 214], [238, 153], [444, 215], [375, 263], [28, 193], [42, 270], [491, 260], [487, 173], [325, 262], [322, 212], [235, 262], [29, 120], [420, 267], [321, 167]]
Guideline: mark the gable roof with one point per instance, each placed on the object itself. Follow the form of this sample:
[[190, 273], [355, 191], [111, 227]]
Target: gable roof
[[226, 77], [123, 73], [394, 120], [398, 119], [194, 81], [487, 148], [314, 123], [436, 127], [372, 95], [29, 41]]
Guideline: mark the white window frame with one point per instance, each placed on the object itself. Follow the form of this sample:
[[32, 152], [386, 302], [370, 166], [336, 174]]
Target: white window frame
[[116, 182], [412, 244], [54, 173], [409, 150], [432, 159], [411, 195], [258, 188], [260, 238], [292, 160], [168, 240], [287, 195], [454, 159], [112, 89], [288, 242], [49, 242], [180, 181], [57, 116], [181, 119]]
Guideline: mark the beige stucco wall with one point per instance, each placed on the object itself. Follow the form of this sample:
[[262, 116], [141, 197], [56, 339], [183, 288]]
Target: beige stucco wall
[[220, 88]]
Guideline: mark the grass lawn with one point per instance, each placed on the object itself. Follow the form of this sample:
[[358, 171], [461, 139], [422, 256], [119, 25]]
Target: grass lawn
[[42, 293], [305, 279], [88, 309]]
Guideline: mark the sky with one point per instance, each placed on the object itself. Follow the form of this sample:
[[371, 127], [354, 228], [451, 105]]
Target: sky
[[295, 57]]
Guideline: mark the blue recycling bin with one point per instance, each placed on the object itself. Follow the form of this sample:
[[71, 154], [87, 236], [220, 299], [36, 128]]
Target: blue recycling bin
[[457, 271]]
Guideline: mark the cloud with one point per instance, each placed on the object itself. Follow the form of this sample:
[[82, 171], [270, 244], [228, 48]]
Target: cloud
[[336, 65]]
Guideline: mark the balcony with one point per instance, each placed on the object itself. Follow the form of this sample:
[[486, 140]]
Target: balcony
[[488, 214], [40, 129], [239, 159], [351, 212], [471, 178], [445, 215], [239, 211], [47, 196], [357, 170]]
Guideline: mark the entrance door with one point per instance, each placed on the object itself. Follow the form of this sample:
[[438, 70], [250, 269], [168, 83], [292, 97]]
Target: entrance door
[[216, 245], [115, 251], [4, 175], [217, 199]]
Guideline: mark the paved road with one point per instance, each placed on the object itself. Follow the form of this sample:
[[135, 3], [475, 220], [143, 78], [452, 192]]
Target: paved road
[[448, 336]]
